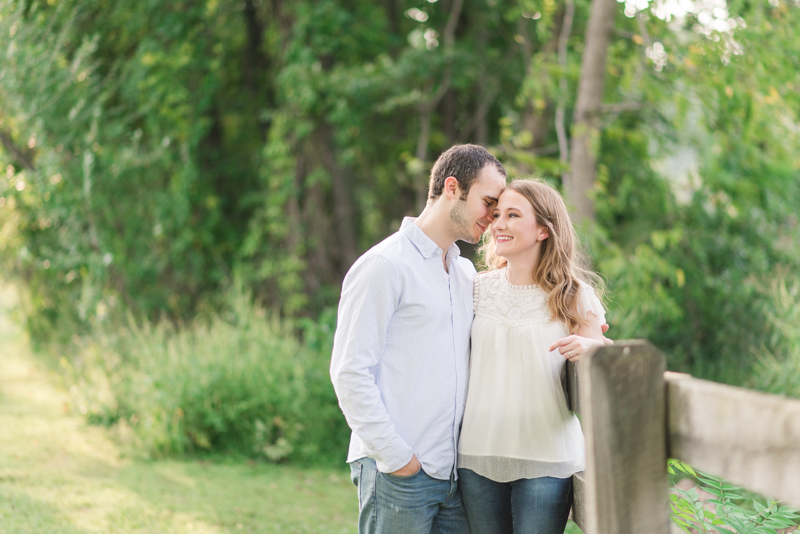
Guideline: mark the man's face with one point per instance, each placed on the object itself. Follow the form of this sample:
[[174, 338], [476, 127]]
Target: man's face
[[472, 215]]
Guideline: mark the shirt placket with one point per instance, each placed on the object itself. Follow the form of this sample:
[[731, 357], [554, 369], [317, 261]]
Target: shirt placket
[[452, 286]]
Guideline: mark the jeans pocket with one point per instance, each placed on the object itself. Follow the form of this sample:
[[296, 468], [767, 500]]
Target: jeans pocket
[[399, 478], [355, 476]]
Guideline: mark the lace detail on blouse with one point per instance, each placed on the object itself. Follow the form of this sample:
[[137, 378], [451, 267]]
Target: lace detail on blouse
[[493, 296], [513, 305]]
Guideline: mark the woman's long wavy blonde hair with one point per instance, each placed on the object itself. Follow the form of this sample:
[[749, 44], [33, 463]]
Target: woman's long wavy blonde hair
[[561, 266]]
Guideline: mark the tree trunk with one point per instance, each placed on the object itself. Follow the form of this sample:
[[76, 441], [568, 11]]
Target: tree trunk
[[449, 116], [343, 203], [482, 126], [563, 38], [426, 108], [586, 125], [422, 156], [537, 120]]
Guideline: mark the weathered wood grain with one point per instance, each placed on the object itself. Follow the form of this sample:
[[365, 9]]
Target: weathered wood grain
[[623, 407], [749, 438], [579, 502], [571, 390]]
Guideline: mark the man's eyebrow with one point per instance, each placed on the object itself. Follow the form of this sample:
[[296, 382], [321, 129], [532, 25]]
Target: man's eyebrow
[[493, 199]]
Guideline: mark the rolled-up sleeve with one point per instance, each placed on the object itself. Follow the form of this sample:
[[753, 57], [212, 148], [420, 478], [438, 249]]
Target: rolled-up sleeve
[[370, 296]]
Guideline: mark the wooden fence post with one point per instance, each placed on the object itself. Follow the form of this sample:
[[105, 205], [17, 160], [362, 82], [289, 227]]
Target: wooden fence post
[[623, 408]]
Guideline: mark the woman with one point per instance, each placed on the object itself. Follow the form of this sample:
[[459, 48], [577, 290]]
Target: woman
[[520, 444]]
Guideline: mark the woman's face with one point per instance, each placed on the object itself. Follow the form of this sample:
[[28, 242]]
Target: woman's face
[[514, 227]]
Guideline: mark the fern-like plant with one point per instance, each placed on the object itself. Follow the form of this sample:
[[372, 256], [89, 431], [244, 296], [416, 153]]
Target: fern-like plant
[[690, 512]]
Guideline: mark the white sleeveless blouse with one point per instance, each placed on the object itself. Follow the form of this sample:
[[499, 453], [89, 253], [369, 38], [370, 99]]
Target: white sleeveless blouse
[[517, 423]]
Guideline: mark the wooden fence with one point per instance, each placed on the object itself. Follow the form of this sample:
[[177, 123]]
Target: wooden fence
[[635, 415]]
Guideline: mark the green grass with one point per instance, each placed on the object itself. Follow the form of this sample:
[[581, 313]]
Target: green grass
[[60, 475]]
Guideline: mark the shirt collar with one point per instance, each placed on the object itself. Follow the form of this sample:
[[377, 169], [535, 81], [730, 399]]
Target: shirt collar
[[426, 246]]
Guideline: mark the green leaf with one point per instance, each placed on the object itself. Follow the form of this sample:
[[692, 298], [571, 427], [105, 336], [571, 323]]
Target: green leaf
[[712, 481], [686, 468]]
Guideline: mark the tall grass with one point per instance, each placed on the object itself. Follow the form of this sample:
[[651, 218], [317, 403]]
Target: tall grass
[[234, 381]]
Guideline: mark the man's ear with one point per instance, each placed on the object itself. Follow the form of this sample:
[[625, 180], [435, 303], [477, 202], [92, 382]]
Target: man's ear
[[451, 189]]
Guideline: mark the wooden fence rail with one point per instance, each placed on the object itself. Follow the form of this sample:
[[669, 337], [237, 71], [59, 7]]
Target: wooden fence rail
[[635, 415]]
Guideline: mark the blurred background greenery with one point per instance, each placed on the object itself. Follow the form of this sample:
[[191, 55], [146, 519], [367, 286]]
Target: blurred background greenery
[[186, 184]]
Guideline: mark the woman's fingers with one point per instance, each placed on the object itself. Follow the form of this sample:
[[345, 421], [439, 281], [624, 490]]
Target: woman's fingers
[[561, 342], [573, 347]]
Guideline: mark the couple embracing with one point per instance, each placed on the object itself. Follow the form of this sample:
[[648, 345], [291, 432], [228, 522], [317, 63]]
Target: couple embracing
[[452, 382]]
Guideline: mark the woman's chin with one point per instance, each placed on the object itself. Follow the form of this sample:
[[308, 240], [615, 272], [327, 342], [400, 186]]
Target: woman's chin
[[500, 252]]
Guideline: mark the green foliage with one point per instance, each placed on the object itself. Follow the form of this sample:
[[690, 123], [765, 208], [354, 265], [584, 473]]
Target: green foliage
[[726, 516], [59, 476], [697, 193], [236, 381], [777, 368], [151, 150]]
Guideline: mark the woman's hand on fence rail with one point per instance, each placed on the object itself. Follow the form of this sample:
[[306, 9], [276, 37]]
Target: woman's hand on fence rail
[[573, 347]]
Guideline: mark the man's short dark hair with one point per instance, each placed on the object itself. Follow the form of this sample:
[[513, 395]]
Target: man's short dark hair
[[464, 163]]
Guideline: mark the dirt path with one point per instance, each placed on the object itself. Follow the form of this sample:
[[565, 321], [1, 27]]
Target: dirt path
[[59, 475]]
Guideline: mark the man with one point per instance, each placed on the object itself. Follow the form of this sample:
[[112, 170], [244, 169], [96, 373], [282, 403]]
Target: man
[[401, 352]]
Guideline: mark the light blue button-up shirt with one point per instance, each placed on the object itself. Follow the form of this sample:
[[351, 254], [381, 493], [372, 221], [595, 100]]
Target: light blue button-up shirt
[[401, 352]]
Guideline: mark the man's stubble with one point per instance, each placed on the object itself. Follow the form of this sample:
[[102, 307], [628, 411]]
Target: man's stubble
[[460, 223]]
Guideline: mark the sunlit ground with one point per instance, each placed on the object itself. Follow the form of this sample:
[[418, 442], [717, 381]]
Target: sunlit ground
[[59, 475]]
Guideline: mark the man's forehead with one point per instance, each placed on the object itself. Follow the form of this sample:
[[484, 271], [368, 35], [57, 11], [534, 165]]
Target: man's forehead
[[490, 182]]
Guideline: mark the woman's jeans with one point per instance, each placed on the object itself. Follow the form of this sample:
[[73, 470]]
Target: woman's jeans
[[526, 506], [416, 504]]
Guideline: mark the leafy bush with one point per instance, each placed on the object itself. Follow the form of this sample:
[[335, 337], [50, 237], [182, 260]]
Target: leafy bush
[[778, 367], [236, 381], [690, 512]]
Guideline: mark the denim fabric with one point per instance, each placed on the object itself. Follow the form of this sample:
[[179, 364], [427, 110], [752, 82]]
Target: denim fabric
[[526, 506], [416, 504]]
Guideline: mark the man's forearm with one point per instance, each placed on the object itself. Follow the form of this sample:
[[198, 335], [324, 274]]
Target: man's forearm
[[368, 418]]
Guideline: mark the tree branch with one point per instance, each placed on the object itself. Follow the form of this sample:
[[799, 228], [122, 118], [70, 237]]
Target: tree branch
[[449, 41], [483, 108], [19, 156]]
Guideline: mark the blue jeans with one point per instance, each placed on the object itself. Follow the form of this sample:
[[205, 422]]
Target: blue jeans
[[416, 504], [526, 506]]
